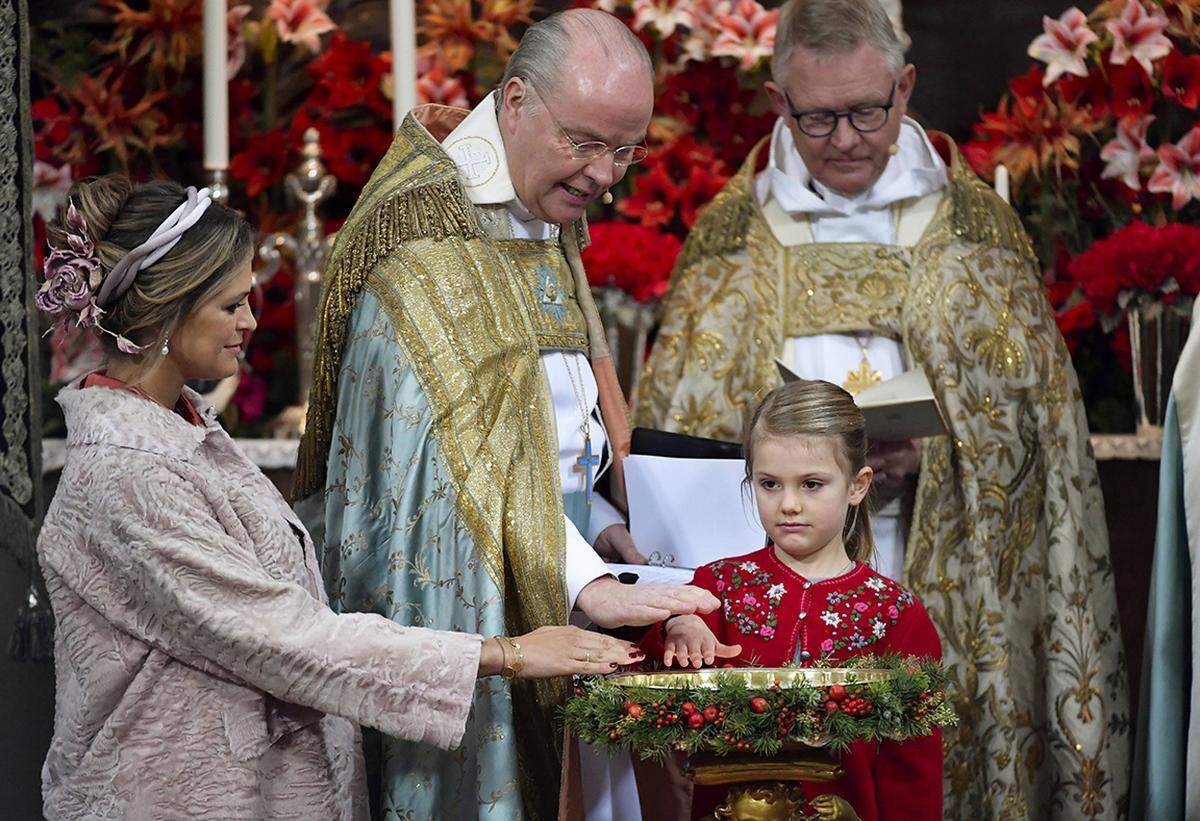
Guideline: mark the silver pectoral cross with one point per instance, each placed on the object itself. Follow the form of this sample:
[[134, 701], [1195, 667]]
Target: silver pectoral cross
[[587, 463]]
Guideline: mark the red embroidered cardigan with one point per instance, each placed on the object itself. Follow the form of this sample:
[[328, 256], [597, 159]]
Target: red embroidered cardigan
[[780, 618]]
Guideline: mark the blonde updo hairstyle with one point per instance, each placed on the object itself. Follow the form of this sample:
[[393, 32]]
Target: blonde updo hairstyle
[[120, 216], [815, 408]]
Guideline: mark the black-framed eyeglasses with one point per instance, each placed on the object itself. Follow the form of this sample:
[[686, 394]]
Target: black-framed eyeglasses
[[864, 119], [591, 149]]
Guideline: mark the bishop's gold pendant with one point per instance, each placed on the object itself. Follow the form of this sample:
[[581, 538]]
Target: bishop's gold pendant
[[861, 379]]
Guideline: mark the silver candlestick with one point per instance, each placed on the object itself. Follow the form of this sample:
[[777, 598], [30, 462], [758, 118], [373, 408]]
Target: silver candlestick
[[218, 185], [308, 249]]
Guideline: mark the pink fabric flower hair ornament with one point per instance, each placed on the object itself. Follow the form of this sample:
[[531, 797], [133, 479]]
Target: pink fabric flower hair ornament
[[73, 275], [76, 284]]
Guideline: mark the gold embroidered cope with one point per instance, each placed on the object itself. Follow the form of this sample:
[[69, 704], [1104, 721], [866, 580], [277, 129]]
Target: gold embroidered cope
[[472, 310]]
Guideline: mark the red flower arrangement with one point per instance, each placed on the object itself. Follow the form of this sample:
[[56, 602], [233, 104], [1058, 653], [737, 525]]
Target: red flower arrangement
[[631, 257], [1161, 262], [710, 112], [130, 101], [1102, 144]]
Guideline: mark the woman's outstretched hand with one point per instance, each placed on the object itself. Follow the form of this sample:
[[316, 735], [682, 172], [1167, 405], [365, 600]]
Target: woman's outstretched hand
[[560, 651]]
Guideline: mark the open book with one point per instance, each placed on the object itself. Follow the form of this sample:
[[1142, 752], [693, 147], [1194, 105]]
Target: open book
[[899, 408]]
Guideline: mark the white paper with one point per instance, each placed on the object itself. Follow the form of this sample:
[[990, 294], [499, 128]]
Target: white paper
[[689, 512]]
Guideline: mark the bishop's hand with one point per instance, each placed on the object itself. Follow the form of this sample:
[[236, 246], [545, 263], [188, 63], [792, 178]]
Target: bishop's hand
[[609, 603]]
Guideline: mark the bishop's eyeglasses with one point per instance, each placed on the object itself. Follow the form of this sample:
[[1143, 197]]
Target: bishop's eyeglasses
[[591, 149], [864, 118]]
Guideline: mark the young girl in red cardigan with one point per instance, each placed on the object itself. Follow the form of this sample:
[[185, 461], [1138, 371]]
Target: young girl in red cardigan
[[809, 594]]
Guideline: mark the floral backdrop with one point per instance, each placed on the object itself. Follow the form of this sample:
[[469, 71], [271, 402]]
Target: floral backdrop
[[1100, 138], [118, 87]]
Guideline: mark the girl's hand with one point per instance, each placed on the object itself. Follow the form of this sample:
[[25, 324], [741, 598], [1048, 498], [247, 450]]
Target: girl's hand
[[561, 651], [690, 642]]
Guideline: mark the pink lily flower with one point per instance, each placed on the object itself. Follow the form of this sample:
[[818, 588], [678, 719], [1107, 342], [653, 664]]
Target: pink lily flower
[[744, 30], [1179, 170], [1125, 154], [1064, 45], [301, 21], [664, 15], [1139, 34]]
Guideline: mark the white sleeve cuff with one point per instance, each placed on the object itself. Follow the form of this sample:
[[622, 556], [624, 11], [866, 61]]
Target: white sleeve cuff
[[584, 566], [603, 516]]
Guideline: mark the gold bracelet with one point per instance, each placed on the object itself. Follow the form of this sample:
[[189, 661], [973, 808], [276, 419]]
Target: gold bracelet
[[503, 652], [511, 669]]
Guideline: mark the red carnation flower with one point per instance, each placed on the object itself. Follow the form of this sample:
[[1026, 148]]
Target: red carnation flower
[[1139, 257]]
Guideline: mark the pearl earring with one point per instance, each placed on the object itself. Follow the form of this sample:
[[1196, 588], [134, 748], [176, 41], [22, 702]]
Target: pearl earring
[[893, 149], [607, 198], [166, 348]]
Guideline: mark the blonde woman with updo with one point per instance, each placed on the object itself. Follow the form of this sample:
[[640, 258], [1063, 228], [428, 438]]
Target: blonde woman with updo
[[200, 673]]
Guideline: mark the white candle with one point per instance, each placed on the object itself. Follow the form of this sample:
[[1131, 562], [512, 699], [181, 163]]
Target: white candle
[[404, 58], [216, 86], [1002, 183]]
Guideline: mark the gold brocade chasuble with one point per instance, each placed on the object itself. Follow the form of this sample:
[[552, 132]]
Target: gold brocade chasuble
[[472, 311], [1008, 549]]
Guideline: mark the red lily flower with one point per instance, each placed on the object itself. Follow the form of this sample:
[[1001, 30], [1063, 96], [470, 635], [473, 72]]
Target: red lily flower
[[1027, 91], [262, 162], [1130, 92], [348, 74], [654, 200], [1181, 79], [351, 154]]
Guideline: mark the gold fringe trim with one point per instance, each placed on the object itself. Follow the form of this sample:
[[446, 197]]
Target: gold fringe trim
[[437, 210]]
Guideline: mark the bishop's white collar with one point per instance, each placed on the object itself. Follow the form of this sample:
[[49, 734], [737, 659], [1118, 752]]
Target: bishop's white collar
[[915, 170], [478, 150]]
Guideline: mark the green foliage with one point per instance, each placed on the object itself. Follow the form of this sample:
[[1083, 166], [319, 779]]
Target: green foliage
[[652, 722]]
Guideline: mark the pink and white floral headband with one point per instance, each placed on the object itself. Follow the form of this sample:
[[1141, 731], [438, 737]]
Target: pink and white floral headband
[[76, 284]]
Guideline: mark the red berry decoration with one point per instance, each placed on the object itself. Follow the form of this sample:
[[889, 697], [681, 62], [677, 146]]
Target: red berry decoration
[[695, 721], [831, 707], [711, 713], [759, 705], [837, 692], [688, 708], [634, 710]]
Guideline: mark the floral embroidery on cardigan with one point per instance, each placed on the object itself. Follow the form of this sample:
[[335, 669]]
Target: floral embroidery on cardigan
[[859, 617], [753, 609]]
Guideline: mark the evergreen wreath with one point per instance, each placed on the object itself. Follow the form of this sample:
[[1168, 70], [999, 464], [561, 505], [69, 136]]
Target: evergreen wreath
[[725, 715]]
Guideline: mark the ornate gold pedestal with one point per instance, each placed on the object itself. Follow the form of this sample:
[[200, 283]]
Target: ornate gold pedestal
[[759, 788]]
